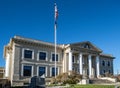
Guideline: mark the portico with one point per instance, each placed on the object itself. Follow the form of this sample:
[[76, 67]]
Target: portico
[[84, 59], [85, 64]]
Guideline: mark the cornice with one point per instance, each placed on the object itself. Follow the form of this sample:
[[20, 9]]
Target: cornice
[[107, 55], [32, 42]]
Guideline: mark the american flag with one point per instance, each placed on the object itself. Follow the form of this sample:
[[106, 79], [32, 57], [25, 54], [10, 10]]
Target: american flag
[[56, 15]]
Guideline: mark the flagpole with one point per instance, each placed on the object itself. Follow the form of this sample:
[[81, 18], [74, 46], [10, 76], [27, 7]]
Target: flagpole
[[55, 49], [55, 35]]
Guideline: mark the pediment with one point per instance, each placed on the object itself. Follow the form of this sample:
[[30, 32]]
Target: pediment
[[86, 45]]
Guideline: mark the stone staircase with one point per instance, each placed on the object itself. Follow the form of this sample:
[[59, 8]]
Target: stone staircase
[[100, 81]]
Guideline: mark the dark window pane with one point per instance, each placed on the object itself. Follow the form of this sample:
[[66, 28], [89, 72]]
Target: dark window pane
[[27, 70], [41, 71], [103, 63], [73, 59], [42, 55], [108, 63], [53, 71], [27, 54], [53, 57]]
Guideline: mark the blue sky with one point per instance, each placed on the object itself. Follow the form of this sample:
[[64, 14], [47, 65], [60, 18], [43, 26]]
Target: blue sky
[[97, 21]]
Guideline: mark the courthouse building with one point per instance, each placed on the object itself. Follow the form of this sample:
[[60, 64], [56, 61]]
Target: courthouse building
[[26, 58]]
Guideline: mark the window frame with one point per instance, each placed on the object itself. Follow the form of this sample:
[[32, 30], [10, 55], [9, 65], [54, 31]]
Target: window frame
[[22, 70], [46, 59], [23, 53], [51, 71]]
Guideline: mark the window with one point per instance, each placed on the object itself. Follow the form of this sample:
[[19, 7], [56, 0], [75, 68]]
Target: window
[[108, 63], [103, 63], [109, 71], [86, 46], [27, 70], [53, 57], [42, 55], [103, 71], [73, 69], [78, 70], [42, 70], [53, 71], [28, 54], [73, 59]]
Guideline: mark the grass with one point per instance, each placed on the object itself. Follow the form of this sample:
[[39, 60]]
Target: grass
[[92, 86], [84, 86]]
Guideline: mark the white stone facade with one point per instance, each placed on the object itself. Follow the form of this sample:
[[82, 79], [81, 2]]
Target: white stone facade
[[27, 57]]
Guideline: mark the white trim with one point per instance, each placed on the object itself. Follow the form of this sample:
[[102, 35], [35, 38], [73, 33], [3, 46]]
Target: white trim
[[46, 59], [12, 67], [22, 70], [80, 63], [70, 61], [7, 65], [90, 65], [50, 71], [32, 71], [22, 66], [46, 68], [38, 63], [98, 65], [23, 49]]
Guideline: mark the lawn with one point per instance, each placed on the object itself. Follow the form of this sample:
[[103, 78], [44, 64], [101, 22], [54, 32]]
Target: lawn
[[92, 86]]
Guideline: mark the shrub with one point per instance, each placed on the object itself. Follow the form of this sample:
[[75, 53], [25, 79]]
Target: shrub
[[67, 78], [107, 74], [118, 78]]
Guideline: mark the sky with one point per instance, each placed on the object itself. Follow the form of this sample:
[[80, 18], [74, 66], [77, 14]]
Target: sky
[[97, 21]]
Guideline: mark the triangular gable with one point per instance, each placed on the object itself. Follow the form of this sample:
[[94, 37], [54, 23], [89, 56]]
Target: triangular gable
[[86, 45]]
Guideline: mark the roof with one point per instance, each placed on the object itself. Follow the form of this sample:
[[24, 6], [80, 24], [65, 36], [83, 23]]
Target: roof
[[37, 42], [107, 55], [29, 40]]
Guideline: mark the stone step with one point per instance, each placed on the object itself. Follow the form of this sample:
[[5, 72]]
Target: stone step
[[99, 81]]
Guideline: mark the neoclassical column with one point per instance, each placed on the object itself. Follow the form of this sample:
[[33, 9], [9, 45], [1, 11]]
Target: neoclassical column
[[70, 61], [97, 66], [7, 65], [90, 66], [80, 64]]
